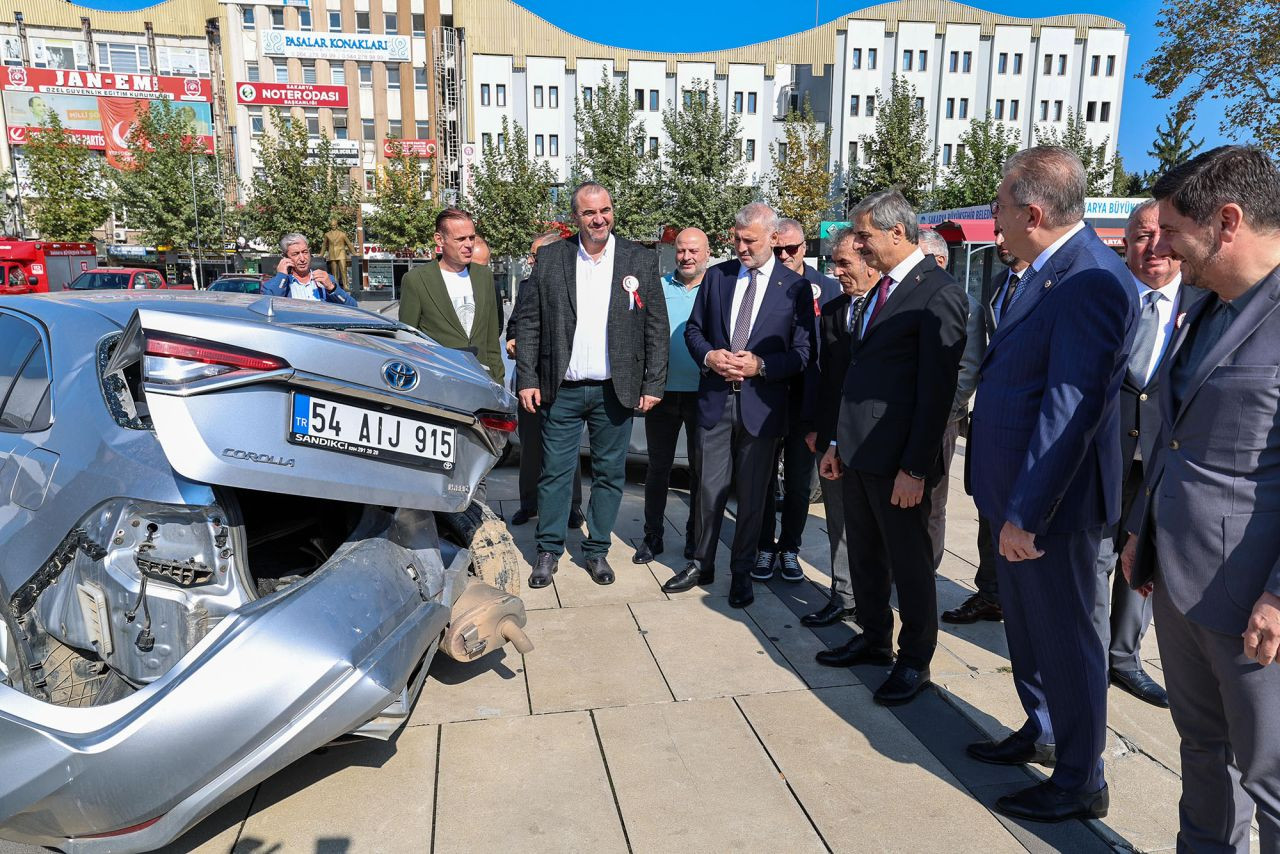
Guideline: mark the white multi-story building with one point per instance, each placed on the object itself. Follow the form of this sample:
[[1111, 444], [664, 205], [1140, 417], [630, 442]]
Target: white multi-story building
[[963, 62]]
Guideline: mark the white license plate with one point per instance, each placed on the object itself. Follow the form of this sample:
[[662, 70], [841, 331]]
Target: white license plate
[[342, 427]]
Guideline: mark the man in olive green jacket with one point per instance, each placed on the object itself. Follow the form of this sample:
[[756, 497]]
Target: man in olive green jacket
[[452, 300]]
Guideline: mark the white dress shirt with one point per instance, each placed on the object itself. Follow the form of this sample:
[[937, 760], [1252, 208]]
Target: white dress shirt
[[589, 359], [740, 291], [896, 275], [1167, 309]]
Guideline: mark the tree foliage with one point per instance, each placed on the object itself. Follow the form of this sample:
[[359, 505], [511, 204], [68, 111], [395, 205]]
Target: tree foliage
[[704, 166], [1222, 50], [801, 185], [300, 187], [168, 180], [510, 194], [899, 154], [612, 152], [1173, 145], [69, 191], [1098, 168], [975, 172], [404, 215]]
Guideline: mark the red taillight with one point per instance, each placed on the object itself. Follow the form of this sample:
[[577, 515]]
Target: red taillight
[[212, 354], [501, 423], [122, 831]]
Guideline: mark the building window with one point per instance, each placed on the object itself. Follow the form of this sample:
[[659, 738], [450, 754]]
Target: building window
[[946, 154], [1048, 64], [653, 101], [999, 108], [751, 149], [951, 108], [422, 130], [304, 19], [367, 130], [924, 60], [1091, 111], [1062, 64], [856, 58], [484, 94], [124, 58], [1095, 65], [751, 103], [335, 21], [340, 125], [554, 144], [553, 97], [246, 16], [366, 75], [1044, 111], [871, 59], [853, 104], [486, 140], [906, 60], [500, 92], [919, 105], [309, 72], [1017, 63], [782, 152], [1111, 65], [639, 99], [251, 72], [419, 22], [393, 75], [640, 146], [737, 102], [390, 22], [282, 72], [1057, 111], [313, 125], [362, 22], [370, 181], [539, 146], [1002, 64], [277, 19], [502, 142], [337, 74], [256, 124], [853, 153], [1104, 112], [395, 128], [967, 64], [420, 78], [871, 105], [586, 96], [537, 97], [653, 146], [953, 62], [960, 151], [964, 108], [1013, 110]]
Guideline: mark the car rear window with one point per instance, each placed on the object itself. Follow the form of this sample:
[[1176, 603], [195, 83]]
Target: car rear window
[[100, 281]]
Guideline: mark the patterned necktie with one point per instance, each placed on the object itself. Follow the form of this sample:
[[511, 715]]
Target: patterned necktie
[[882, 296], [1144, 341], [742, 326], [1009, 288], [855, 307]]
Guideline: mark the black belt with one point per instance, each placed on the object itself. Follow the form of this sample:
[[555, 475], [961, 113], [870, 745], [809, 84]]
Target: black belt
[[582, 383]]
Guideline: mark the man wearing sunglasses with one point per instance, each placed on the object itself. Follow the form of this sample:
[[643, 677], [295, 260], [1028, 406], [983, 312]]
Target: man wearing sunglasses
[[797, 456]]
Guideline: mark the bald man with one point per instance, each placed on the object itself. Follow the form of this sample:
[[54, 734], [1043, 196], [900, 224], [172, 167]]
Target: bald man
[[679, 405]]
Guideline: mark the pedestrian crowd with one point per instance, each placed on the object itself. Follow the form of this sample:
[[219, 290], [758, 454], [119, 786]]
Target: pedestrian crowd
[[1125, 412]]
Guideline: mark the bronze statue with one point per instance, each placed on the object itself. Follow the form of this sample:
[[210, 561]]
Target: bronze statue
[[337, 251]]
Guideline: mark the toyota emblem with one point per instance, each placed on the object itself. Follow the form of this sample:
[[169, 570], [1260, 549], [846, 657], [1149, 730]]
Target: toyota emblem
[[400, 375]]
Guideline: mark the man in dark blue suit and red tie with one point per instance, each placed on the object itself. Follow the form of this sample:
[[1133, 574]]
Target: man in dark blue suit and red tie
[[1043, 464], [751, 330]]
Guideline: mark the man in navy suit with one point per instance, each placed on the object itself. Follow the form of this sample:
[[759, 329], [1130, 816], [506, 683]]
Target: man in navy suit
[[751, 330], [1043, 467]]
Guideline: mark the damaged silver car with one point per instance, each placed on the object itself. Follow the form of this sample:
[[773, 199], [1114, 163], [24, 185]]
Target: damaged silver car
[[232, 530]]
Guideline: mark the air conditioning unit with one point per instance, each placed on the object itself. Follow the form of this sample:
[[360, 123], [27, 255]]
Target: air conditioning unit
[[120, 235]]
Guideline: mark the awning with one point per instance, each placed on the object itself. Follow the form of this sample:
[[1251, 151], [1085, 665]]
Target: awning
[[1113, 237], [967, 230]]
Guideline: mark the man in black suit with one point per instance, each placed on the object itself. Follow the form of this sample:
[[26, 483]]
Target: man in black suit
[[898, 390], [836, 329], [985, 604], [590, 350], [751, 329]]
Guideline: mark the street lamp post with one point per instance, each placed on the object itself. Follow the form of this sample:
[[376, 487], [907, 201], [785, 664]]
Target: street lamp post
[[195, 207]]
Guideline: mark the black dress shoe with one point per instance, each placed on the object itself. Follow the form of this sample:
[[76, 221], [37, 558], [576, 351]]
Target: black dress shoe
[[576, 519], [521, 516], [601, 572], [972, 610], [857, 651], [1014, 750], [543, 569], [902, 686], [740, 592], [688, 578], [828, 615], [1140, 685], [1047, 802], [647, 550]]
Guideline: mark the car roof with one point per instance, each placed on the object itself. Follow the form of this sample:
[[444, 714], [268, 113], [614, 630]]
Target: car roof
[[121, 270]]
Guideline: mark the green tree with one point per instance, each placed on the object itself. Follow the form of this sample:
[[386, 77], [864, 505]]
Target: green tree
[[899, 153], [704, 166], [1099, 169], [300, 186], [1223, 50], [612, 151], [510, 194], [975, 172], [169, 184], [1173, 145], [404, 215], [802, 185], [69, 191], [1127, 184], [8, 207]]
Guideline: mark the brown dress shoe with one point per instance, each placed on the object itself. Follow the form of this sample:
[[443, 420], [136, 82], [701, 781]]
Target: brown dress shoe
[[972, 610]]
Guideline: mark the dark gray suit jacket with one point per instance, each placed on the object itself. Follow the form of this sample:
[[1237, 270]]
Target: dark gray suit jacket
[[1209, 525], [639, 340]]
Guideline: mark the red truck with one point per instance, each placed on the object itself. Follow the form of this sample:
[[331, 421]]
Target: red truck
[[37, 266]]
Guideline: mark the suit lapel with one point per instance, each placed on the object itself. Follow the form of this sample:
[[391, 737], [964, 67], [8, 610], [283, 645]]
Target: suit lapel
[[571, 276], [729, 283], [901, 293], [1166, 364], [619, 299], [1034, 287], [439, 294], [775, 298]]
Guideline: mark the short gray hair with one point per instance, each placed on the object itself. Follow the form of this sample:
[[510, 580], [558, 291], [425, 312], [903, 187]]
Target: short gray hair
[[757, 212], [1136, 213], [841, 237], [290, 239], [787, 223], [888, 208], [1053, 178], [933, 243]]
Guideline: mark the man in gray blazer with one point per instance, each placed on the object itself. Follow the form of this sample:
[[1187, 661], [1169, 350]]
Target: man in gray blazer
[[1208, 531], [590, 348]]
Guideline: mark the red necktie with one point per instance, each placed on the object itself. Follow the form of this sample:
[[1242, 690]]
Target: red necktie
[[882, 296]]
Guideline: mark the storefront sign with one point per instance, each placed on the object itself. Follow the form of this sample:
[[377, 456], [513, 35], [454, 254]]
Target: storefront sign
[[410, 147], [339, 149], [292, 95], [309, 45]]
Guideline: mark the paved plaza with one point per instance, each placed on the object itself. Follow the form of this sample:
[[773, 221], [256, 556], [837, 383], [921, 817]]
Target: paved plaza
[[649, 722]]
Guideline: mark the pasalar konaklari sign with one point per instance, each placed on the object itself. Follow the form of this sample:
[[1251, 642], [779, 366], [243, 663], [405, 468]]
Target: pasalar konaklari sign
[[308, 45]]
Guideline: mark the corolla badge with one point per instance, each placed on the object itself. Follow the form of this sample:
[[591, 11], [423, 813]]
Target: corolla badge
[[400, 376]]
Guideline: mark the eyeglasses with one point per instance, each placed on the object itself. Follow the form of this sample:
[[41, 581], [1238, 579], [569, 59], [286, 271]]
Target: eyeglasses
[[995, 207], [793, 249]]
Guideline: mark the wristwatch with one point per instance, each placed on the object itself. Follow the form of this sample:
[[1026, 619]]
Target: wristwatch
[[761, 369], [914, 474]]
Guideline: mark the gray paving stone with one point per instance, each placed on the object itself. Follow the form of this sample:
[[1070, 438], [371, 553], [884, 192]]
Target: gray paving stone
[[1150, 727], [633, 582], [692, 777], [799, 645], [494, 686], [1144, 802]]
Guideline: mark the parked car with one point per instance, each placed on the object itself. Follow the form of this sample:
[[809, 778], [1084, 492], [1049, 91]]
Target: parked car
[[238, 283], [122, 278], [231, 535]]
